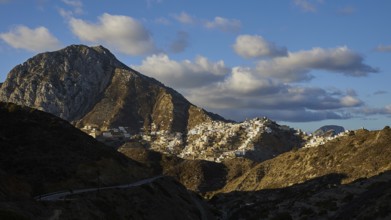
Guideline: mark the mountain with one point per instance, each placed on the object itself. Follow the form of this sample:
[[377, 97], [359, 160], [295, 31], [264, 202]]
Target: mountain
[[41, 153], [90, 87], [329, 130]]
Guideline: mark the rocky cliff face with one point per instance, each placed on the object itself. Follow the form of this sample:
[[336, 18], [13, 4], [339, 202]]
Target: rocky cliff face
[[89, 86], [66, 83]]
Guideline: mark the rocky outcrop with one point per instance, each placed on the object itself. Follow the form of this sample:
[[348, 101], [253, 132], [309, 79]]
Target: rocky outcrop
[[89, 86]]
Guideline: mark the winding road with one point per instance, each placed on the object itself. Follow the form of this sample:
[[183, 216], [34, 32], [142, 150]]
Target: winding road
[[60, 195]]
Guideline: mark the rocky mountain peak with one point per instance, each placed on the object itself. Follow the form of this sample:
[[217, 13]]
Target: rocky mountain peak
[[66, 83], [90, 87]]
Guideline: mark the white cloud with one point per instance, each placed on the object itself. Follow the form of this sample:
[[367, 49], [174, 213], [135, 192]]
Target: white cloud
[[383, 48], [224, 24], [184, 18], [123, 33], [254, 46], [37, 40], [243, 81], [297, 66], [184, 74], [349, 101]]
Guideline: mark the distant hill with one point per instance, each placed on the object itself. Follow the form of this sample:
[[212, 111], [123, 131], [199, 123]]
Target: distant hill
[[329, 130]]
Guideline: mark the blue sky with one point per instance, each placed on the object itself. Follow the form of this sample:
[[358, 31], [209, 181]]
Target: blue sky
[[304, 63]]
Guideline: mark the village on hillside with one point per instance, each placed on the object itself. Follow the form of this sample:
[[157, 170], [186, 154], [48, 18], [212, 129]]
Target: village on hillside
[[213, 141]]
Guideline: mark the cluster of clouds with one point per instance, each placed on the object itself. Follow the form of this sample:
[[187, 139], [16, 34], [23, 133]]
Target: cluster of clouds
[[273, 86], [261, 90]]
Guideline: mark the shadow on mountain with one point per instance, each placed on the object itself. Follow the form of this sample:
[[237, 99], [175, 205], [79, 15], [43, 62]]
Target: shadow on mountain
[[49, 154], [323, 197], [41, 153]]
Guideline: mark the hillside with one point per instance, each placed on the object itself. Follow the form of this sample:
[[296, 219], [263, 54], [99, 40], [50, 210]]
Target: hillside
[[346, 178], [362, 154], [323, 197], [197, 175], [49, 154], [41, 153], [161, 199]]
